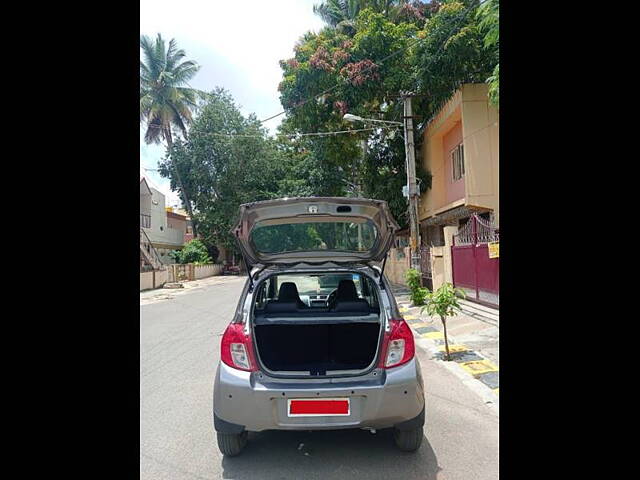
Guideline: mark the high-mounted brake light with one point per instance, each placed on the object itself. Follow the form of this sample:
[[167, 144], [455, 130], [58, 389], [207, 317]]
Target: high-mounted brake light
[[236, 349], [398, 346]]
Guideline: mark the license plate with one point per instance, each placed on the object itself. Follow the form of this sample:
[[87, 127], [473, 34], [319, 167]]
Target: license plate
[[318, 407]]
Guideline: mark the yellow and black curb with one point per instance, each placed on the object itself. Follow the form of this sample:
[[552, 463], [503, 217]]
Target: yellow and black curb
[[472, 362]]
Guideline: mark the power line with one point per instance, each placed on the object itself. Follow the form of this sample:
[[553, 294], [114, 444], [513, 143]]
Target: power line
[[295, 135]]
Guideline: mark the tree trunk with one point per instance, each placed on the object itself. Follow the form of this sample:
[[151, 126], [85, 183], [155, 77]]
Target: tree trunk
[[446, 340], [185, 199]]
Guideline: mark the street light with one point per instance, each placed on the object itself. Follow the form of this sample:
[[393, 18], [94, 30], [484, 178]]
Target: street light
[[411, 174], [355, 118]]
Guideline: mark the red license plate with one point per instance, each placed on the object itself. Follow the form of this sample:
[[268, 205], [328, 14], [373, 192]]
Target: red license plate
[[316, 407]]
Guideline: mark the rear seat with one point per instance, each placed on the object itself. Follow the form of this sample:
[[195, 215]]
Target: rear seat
[[281, 307], [290, 309], [353, 306]]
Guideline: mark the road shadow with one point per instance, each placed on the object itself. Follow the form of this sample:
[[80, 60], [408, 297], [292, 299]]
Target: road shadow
[[329, 454]]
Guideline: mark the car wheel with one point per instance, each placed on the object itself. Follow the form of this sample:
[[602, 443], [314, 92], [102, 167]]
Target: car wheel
[[408, 440], [231, 444]]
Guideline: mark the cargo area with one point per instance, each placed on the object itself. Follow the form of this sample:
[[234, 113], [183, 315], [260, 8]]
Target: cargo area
[[332, 326], [317, 349]]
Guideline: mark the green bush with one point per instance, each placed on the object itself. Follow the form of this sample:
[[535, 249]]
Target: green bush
[[418, 293], [192, 252]]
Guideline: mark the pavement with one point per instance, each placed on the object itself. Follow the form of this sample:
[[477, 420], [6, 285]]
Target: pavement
[[180, 334], [473, 336]]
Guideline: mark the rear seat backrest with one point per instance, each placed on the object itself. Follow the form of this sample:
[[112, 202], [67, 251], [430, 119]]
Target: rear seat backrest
[[354, 306], [281, 307], [347, 299]]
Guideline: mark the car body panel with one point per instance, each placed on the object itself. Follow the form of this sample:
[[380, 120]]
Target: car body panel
[[258, 402]]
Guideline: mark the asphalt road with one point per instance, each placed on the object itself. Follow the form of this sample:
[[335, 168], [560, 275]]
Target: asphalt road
[[179, 350]]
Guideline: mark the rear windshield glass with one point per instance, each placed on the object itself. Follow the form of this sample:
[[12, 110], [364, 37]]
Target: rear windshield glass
[[349, 236], [314, 290]]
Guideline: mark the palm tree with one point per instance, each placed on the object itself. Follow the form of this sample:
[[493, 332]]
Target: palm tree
[[165, 101], [341, 14]]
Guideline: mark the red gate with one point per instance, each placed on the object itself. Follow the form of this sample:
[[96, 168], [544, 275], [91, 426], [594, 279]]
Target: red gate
[[473, 270]]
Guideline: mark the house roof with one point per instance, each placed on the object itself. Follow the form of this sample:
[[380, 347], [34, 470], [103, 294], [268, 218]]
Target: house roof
[[176, 216], [144, 187], [451, 216]]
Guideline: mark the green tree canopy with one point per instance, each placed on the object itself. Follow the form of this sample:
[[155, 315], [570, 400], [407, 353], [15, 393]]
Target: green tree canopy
[[228, 160], [429, 49]]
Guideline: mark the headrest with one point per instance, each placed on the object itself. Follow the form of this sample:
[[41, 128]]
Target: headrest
[[346, 291], [288, 292]]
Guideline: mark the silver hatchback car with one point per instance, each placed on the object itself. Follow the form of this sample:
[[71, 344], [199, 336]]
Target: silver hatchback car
[[317, 341]]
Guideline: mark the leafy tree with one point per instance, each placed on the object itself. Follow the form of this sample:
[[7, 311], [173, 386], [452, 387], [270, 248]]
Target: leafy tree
[[394, 46], [489, 15], [443, 302], [452, 53], [165, 99], [358, 83], [192, 252], [227, 160], [384, 173]]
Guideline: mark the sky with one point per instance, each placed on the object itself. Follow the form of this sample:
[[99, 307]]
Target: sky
[[238, 46]]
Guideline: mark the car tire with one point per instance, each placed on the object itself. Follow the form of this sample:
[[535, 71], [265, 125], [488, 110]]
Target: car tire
[[408, 440], [232, 444]]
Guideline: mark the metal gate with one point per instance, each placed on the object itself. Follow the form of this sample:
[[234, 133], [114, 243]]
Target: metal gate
[[473, 269], [425, 266]]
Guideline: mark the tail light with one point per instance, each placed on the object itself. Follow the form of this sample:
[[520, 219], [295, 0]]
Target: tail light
[[398, 346], [236, 349]]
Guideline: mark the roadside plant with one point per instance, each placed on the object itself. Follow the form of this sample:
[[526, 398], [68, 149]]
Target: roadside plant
[[193, 252], [418, 292], [444, 303]]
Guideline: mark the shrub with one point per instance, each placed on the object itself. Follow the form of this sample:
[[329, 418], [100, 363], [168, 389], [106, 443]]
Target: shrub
[[418, 293], [193, 252]]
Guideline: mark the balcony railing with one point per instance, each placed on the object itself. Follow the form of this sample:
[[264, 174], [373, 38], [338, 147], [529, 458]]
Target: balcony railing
[[145, 221]]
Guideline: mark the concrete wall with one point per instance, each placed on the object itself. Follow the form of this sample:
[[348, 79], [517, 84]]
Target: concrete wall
[[433, 154], [177, 224], [193, 272], [437, 266], [156, 279], [397, 264], [441, 266], [452, 190], [468, 107], [480, 128], [161, 233], [202, 271]]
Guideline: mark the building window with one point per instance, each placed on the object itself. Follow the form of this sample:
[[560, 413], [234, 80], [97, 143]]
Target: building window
[[457, 161]]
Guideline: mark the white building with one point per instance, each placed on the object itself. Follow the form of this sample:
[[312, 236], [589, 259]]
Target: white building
[[165, 229]]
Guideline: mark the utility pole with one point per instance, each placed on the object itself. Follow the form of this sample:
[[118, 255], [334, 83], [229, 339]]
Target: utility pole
[[412, 187], [359, 188]]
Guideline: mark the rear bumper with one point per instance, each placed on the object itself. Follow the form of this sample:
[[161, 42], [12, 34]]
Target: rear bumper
[[244, 401]]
